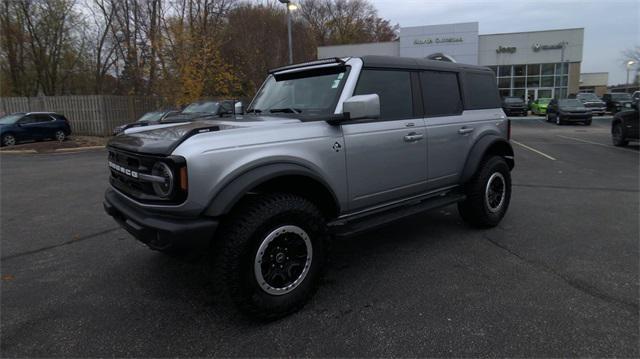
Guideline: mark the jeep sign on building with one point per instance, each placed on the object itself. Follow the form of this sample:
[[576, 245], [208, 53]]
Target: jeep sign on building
[[528, 64]]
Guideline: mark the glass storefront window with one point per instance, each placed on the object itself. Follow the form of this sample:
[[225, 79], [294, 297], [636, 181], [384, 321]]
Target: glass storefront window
[[547, 69], [547, 81], [504, 70], [519, 70], [504, 82], [562, 69], [518, 82], [560, 92], [561, 81], [533, 70], [533, 81]]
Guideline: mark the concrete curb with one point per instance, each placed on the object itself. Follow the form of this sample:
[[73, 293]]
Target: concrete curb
[[59, 150]]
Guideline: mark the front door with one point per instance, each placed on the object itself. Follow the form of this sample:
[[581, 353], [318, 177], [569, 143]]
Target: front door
[[386, 157]]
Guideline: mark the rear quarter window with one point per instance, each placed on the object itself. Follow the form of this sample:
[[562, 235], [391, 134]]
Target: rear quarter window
[[480, 91]]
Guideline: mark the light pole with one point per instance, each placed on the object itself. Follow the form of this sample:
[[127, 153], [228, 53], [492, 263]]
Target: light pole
[[290, 6], [629, 64]]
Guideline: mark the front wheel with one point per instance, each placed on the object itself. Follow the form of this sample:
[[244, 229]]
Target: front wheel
[[272, 254], [617, 135], [587, 123], [8, 140], [488, 194]]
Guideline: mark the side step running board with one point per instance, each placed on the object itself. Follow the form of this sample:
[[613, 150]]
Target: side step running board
[[348, 227]]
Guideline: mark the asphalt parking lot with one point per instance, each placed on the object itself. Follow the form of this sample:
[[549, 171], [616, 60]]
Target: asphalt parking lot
[[558, 277]]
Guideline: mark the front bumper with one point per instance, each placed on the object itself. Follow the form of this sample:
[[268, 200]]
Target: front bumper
[[157, 231], [578, 117]]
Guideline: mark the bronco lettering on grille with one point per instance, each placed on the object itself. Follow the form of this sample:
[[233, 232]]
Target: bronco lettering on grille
[[123, 170]]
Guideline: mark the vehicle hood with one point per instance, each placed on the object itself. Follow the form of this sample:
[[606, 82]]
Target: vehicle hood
[[162, 139]]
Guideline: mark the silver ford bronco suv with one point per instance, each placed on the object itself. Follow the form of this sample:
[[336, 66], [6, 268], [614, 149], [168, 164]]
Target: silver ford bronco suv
[[326, 149]]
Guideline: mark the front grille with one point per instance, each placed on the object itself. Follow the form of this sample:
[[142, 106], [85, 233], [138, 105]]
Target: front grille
[[591, 105], [129, 182]]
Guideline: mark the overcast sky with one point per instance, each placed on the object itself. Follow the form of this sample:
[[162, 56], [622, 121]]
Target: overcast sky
[[610, 26]]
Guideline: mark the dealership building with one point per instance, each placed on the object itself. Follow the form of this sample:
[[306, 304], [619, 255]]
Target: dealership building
[[532, 64]]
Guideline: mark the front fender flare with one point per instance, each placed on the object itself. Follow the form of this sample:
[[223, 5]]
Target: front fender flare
[[224, 200], [478, 151]]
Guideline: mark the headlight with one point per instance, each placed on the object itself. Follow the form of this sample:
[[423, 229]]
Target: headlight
[[161, 169]]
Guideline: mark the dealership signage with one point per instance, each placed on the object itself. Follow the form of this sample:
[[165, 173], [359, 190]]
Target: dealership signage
[[537, 47], [506, 49], [437, 40]]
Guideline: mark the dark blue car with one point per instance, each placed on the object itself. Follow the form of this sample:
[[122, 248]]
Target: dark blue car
[[22, 126]]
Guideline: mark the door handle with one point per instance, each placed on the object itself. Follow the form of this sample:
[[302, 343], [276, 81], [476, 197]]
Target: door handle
[[465, 130], [413, 136]]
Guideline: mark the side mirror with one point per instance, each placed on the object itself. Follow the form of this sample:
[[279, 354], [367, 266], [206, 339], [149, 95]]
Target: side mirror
[[237, 109], [362, 106]]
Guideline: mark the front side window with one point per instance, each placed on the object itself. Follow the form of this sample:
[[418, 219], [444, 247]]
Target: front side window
[[312, 92], [393, 88], [151, 116], [441, 93]]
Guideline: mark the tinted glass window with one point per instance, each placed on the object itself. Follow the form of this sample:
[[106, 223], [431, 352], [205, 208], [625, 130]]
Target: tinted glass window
[[393, 88], [440, 93], [480, 91], [37, 118]]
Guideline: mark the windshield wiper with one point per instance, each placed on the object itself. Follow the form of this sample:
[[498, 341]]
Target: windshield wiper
[[285, 109]]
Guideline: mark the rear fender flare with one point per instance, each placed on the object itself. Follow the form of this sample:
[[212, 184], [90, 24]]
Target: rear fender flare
[[483, 146]]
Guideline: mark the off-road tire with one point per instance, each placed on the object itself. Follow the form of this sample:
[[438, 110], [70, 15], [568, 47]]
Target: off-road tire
[[474, 209], [241, 236]]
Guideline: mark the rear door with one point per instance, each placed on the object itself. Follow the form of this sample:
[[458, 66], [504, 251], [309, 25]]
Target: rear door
[[40, 125], [386, 157], [448, 130]]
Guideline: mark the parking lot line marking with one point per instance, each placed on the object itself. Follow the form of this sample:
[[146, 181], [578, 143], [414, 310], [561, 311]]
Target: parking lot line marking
[[597, 143], [534, 150]]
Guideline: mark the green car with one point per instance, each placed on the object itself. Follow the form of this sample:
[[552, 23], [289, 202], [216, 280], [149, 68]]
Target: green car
[[539, 106]]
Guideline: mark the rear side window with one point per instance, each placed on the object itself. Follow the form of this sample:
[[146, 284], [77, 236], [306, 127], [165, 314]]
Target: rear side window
[[480, 91], [393, 88], [38, 118], [440, 93]]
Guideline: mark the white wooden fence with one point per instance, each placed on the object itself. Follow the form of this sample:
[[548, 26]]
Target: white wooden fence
[[88, 115]]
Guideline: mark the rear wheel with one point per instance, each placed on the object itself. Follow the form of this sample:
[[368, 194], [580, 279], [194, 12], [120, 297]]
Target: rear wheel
[[272, 254], [587, 123], [8, 140], [617, 135], [488, 194], [60, 135]]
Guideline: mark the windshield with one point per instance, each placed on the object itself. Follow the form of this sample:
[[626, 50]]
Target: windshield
[[587, 97], [151, 116], [10, 119], [544, 101], [570, 103], [208, 107], [310, 93], [621, 97]]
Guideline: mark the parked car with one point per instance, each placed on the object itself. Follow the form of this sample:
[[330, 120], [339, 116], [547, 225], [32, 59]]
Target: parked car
[[202, 109], [617, 101], [327, 148], [514, 106], [568, 110], [636, 96], [149, 118], [21, 126], [624, 126], [539, 106], [592, 102]]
